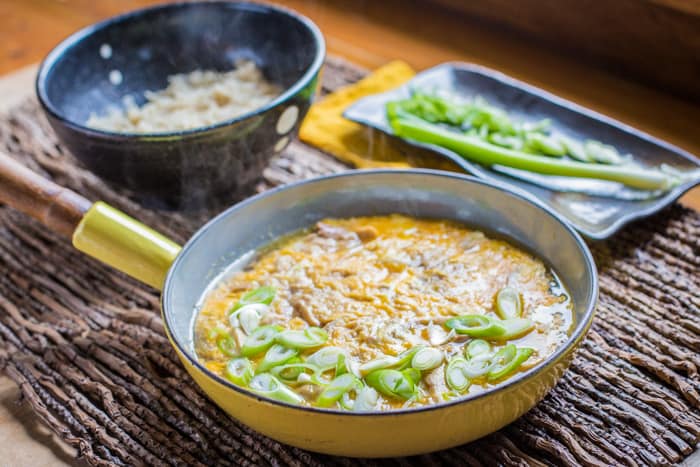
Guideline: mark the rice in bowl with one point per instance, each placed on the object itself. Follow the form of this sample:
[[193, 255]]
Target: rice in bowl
[[192, 100]]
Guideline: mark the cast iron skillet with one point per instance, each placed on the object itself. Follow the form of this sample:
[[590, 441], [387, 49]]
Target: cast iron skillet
[[184, 274]]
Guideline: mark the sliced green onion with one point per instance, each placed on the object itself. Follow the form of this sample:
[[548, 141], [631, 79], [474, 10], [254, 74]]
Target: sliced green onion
[[326, 357], [380, 363], [475, 326], [337, 388], [507, 360], [239, 371], [365, 400], [224, 341], [404, 358], [251, 314], [514, 328], [291, 373], [275, 356], [304, 339], [260, 340], [602, 153], [264, 295], [392, 383], [478, 366], [249, 319], [340, 366], [508, 304], [347, 401], [267, 385], [400, 362], [477, 150], [323, 377], [575, 149], [507, 141], [412, 374], [538, 143], [455, 375], [541, 126], [477, 347], [427, 358], [305, 378], [449, 395]]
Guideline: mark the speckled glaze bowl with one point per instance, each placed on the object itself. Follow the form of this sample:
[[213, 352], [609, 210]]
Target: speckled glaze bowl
[[202, 168]]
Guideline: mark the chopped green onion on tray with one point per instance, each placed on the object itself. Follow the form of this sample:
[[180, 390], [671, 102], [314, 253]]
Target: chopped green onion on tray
[[487, 135]]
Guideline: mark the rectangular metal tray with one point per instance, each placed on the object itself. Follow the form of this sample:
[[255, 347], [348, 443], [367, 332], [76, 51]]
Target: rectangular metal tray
[[596, 208]]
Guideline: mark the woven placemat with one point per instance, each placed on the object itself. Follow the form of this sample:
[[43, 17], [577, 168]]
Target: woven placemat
[[87, 348]]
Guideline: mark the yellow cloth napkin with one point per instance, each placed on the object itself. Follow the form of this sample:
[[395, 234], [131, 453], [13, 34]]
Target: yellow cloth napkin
[[325, 128]]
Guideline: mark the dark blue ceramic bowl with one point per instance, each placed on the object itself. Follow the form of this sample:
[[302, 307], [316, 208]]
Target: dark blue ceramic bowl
[[96, 67]]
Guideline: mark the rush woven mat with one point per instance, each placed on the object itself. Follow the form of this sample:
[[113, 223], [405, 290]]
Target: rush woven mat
[[86, 344]]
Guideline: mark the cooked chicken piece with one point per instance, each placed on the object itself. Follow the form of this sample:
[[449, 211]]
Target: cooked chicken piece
[[367, 233], [334, 232], [435, 380], [309, 392], [302, 308]]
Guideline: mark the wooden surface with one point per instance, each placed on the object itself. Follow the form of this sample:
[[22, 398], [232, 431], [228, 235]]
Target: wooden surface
[[24, 439], [641, 39], [369, 33]]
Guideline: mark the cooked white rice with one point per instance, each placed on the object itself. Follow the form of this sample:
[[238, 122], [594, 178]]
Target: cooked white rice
[[192, 100]]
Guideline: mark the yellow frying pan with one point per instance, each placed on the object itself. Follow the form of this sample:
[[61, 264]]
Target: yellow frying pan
[[184, 273]]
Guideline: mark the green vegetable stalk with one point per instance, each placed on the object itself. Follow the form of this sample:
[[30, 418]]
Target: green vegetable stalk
[[476, 149]]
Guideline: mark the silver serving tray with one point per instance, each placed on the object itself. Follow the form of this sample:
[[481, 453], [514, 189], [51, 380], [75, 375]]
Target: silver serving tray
[[595, 208]]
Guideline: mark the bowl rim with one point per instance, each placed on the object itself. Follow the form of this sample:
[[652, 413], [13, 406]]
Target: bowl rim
[[75, 38], [576, 336]]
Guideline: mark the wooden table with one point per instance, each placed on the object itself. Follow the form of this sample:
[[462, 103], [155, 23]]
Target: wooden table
[[366, 32]]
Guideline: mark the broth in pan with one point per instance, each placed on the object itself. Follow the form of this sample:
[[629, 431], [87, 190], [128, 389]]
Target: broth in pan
[[382, 313]]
